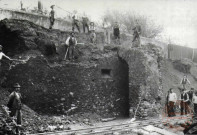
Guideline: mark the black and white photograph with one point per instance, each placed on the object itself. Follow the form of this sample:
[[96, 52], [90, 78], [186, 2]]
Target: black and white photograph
[[98, 67]]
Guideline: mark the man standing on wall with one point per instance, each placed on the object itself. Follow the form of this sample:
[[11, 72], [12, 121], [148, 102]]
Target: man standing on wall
[[136, 33], [15, 105], [75, 22], [52, 17]]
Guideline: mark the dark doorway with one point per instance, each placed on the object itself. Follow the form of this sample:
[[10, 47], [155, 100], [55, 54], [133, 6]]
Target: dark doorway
[[123, 85]]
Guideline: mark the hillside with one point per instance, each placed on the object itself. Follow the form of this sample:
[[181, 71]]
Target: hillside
[[104, 81]]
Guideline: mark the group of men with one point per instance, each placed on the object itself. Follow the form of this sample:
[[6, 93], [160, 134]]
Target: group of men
[[90, 26], [187, 98]]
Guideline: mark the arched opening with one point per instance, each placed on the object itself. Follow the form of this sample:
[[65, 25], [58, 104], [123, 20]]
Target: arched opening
[[124, 84]]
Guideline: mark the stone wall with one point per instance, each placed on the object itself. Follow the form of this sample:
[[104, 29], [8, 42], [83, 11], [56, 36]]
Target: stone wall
[[38, 19]]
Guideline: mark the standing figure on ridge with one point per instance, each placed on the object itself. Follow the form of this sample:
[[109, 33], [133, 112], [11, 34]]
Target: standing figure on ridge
[[116, 31], [52, 17], [106, 27], [85, 21], [75, 22], [92, 33], [136, 33]]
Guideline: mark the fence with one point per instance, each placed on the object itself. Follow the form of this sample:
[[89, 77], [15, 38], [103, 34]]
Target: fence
[[176, 52]]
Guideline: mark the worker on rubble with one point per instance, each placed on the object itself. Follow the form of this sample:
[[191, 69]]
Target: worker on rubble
[[116, 31], [107, 28], [52, 17], [3, 55], [137, 33], [75, 22], [71, 42], [185, 81], [85, 21], [15, 105], [92, 33], [172, 98]]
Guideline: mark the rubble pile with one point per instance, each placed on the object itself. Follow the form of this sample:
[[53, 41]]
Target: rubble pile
[[100, 84]]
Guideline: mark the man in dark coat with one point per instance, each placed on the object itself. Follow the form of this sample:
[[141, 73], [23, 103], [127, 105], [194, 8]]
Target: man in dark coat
[[116, 32], [52, 17], [15, 104], [71, 42]]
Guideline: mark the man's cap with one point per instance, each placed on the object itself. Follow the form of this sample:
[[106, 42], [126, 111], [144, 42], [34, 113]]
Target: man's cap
[[52, 6], [72, 33], [16, 85]]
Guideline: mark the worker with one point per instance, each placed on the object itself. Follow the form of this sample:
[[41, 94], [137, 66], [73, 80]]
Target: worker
[[116, 31], [92, 33], [185, 81], [52, 17], [172, 98], [75, 22], [71, 42], [3, 55], [85, 23], [137, 33], [106, 27], [15, 105]]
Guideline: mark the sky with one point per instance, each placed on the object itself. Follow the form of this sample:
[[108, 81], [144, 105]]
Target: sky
[[178, 17]]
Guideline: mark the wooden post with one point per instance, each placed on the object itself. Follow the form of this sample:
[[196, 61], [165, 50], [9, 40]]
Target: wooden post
[[193, 55]]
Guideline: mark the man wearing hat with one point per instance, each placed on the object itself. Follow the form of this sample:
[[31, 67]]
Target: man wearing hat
[[15, 104], [71, 42], [92, 33], [172, 98], [3, 55], [194, 100], [52, 17], [116, 31]]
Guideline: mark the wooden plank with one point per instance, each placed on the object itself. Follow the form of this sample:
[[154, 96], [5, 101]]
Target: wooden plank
[[158, 130]]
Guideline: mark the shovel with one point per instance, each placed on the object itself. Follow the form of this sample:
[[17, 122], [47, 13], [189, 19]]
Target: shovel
[[133, 119]]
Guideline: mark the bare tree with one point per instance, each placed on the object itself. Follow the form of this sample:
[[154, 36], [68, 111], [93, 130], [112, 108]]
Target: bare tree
[[127, 22]]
